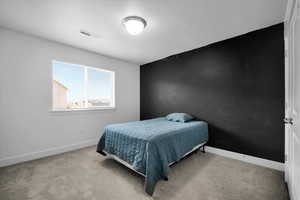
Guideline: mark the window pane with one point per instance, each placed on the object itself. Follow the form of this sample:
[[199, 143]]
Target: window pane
[[99, 88], [68, 86]]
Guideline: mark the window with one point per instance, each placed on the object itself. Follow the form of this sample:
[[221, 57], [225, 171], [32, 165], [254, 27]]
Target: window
[[81, 87]]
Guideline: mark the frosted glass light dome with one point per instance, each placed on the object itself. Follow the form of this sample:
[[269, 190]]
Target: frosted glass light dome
[[134, 24]]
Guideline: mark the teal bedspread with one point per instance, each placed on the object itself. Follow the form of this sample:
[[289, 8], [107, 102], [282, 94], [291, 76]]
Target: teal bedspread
[[150, 145]]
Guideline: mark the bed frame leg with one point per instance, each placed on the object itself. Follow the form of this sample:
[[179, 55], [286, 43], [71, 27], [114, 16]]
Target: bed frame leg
[[203, 148]]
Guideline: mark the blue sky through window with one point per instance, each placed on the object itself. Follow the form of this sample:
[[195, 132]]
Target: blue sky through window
[[99, 84]]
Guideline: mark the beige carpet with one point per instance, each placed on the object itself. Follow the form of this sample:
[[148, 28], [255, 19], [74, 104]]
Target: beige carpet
[[84, 174]]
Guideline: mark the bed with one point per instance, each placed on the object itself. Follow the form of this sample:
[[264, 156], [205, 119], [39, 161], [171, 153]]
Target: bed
[[149, 147]]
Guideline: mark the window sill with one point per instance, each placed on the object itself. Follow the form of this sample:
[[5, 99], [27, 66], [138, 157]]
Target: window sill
[[82, 109]]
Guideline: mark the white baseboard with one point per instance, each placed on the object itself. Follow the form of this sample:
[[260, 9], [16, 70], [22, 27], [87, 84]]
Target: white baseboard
[[246, 158], [48, 152], [53, 151]]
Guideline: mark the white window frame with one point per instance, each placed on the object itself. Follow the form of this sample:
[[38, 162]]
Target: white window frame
[[113, 104]]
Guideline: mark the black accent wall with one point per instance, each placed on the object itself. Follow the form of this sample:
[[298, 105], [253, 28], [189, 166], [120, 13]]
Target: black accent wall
[[236, 85]]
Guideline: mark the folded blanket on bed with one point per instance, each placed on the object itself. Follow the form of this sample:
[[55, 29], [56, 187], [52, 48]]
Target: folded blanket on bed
[[150, 145]]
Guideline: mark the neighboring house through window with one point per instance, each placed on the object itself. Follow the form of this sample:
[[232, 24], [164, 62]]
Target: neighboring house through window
[[60, 98]]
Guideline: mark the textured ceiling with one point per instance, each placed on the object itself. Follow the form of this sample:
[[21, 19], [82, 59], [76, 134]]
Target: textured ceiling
[[173, 26]]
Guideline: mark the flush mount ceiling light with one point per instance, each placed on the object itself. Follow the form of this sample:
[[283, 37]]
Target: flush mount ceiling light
[[134, 24]]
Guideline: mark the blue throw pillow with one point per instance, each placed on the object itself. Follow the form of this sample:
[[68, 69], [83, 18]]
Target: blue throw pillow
[[179, 117]]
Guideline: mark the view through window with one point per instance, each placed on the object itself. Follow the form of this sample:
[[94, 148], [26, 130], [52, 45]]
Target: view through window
[[81, 87]]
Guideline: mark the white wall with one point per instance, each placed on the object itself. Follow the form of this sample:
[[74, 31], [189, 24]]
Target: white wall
[[28, 128]]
